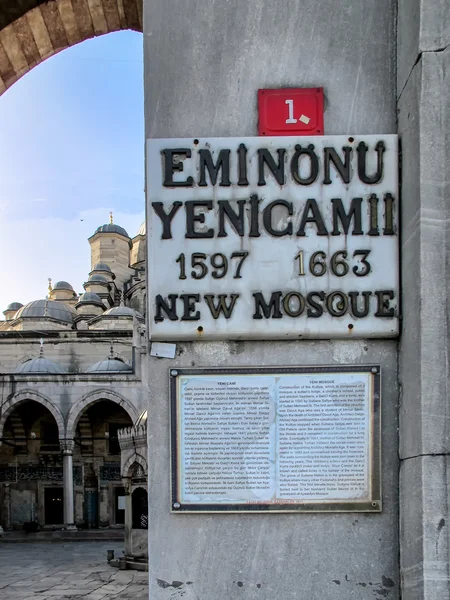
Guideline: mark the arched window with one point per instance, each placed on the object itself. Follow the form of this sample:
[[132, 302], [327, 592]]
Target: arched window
[[139, 505]]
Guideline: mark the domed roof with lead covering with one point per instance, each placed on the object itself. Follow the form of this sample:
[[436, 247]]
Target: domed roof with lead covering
[[63, 285], [39, 365], [46, 308], [112, 228], [90, 298], [98, 277], [101, 266], [110, 365], [14, 306], [122, 311]]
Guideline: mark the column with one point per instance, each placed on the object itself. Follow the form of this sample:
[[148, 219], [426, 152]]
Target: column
[[128, 515], [67, 450], [204, 61], [423, 88]]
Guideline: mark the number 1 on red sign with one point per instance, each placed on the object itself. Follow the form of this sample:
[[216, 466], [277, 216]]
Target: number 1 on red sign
[[291, 119]]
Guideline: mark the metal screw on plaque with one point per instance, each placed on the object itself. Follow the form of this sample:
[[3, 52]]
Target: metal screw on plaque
[[374, 370], [174, 372], [374, 504], [176, 505]]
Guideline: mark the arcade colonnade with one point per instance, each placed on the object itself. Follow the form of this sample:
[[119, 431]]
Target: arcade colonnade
[[67, 422]]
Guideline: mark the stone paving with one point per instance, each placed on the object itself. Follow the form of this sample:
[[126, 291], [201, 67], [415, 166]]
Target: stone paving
[[74, 570]]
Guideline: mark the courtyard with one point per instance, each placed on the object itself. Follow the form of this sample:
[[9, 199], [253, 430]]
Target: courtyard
[[75, 570]]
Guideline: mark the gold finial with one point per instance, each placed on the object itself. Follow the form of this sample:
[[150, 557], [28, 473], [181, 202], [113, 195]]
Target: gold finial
[[50, 289], [110, 217]]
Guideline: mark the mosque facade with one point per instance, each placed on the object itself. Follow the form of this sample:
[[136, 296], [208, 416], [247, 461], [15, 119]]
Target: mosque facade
[[72, 375]]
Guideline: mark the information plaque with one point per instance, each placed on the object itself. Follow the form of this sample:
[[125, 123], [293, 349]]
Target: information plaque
[[294, 439]]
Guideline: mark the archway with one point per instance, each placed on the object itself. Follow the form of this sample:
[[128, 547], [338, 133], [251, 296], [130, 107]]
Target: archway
[[31, 473], [94, 422], [25, 396], [91, 398], [34, 30]]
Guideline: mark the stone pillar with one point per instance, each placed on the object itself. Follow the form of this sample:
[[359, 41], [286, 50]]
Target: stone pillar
[[128, 515], [204, 62], [67, 450], [423, 89]]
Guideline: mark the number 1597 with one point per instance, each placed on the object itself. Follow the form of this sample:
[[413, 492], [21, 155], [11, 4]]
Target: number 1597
[[218, 264]]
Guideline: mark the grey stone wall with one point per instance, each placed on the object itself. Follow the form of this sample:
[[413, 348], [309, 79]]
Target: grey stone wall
[[74, 351], [424, 126], [204, 61]]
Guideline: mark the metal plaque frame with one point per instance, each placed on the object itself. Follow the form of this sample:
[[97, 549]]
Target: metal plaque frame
[[374, 504]]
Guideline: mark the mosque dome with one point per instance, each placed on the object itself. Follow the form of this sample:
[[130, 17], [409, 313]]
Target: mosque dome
[[46, 308], [110, 365], [63, 285], [39, 365], [90, 298], [111, 228], [122, 311], [98, 277], [101, 266], [14, 306], [142, 229], [142, 420]]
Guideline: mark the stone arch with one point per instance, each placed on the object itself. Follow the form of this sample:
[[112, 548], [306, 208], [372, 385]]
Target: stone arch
[[91, 398], [45, 27], [131, 461], [24, 396]]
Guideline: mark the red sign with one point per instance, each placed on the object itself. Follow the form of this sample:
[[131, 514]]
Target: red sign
[[290, 111]]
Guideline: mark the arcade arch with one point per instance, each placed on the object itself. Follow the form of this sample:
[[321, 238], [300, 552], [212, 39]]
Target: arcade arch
[[34, 30], [25, 396], [91, 398]]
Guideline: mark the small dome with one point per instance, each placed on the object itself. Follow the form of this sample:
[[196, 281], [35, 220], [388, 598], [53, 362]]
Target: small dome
[[112, 228], [122, 311], [63, 285], [97, 277], [142, 229], [110, 365], [142, 420], [101, 266], [90, 298], [14, 306], [39, 365], [46, 308]]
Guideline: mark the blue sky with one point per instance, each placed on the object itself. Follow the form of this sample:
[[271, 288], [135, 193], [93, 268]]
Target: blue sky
[[71, 150]]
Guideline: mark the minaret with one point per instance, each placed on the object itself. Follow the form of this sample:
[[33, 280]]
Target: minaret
[[111, 244]]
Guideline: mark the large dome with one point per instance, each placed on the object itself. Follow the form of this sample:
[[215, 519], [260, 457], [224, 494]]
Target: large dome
[[46, 308], [110, 365], [39, 365], [112, 228]]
